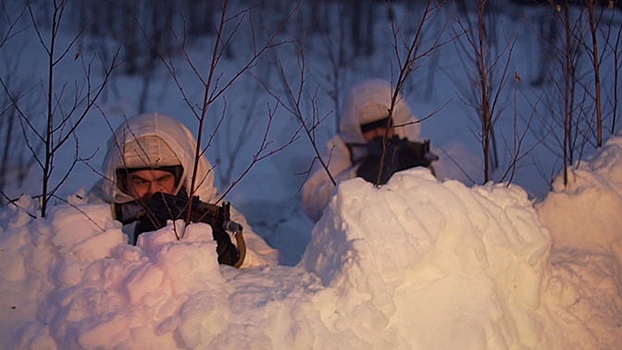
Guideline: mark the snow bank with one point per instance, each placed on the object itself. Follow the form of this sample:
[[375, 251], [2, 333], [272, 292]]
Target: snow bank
[[591, 203], [428, 265], [416, 263], [586, 228]]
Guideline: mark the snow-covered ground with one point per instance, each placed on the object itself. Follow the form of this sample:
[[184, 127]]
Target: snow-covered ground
[[418, 263], [421, 263]]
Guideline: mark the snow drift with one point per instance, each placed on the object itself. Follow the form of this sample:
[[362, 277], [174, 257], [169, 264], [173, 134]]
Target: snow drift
[[416, 263], [434, 265]]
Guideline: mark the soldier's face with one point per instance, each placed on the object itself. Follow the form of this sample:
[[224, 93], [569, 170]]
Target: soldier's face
[[143, 184]]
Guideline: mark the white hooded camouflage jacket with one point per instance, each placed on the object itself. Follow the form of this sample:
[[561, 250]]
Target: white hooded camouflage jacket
[[183, 144], [367, 102]]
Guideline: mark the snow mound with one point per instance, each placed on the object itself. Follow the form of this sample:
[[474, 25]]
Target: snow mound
[[591, 202], [416, 263], [429, 265], [585, 224]]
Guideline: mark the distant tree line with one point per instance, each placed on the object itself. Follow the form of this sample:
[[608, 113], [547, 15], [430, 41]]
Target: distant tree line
[[604, 3], [148, 29]]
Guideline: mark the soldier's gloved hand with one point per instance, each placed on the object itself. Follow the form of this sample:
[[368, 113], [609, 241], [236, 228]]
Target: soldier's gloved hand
[[228, 254]]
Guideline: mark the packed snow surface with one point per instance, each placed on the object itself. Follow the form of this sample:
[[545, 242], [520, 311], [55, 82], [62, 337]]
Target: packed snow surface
[[416, 264]]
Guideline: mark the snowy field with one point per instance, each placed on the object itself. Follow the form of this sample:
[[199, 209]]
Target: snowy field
[[420, 263]]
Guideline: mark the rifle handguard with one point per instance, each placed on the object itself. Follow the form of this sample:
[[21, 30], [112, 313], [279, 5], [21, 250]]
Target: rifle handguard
[[385, 157], [162, 207]]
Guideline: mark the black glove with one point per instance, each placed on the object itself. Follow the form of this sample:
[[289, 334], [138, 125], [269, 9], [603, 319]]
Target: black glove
[[228, 254], [400, 154], [162, 207]]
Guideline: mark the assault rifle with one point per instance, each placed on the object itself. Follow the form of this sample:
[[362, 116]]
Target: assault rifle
[[400, 154], [162, 207]]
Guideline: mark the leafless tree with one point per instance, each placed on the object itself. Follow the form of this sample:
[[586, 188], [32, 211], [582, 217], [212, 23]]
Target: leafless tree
[[362, 19], [317, 13], [567, 85], [576, 81], [613, 45], [548, 34], [242, 126], [408, 54], [215, 83], [593, 49], [489, 79], [67, 104], [408, 51], [13, 163], [200, 17], [10, 24], [293, 103], [333, 51]]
